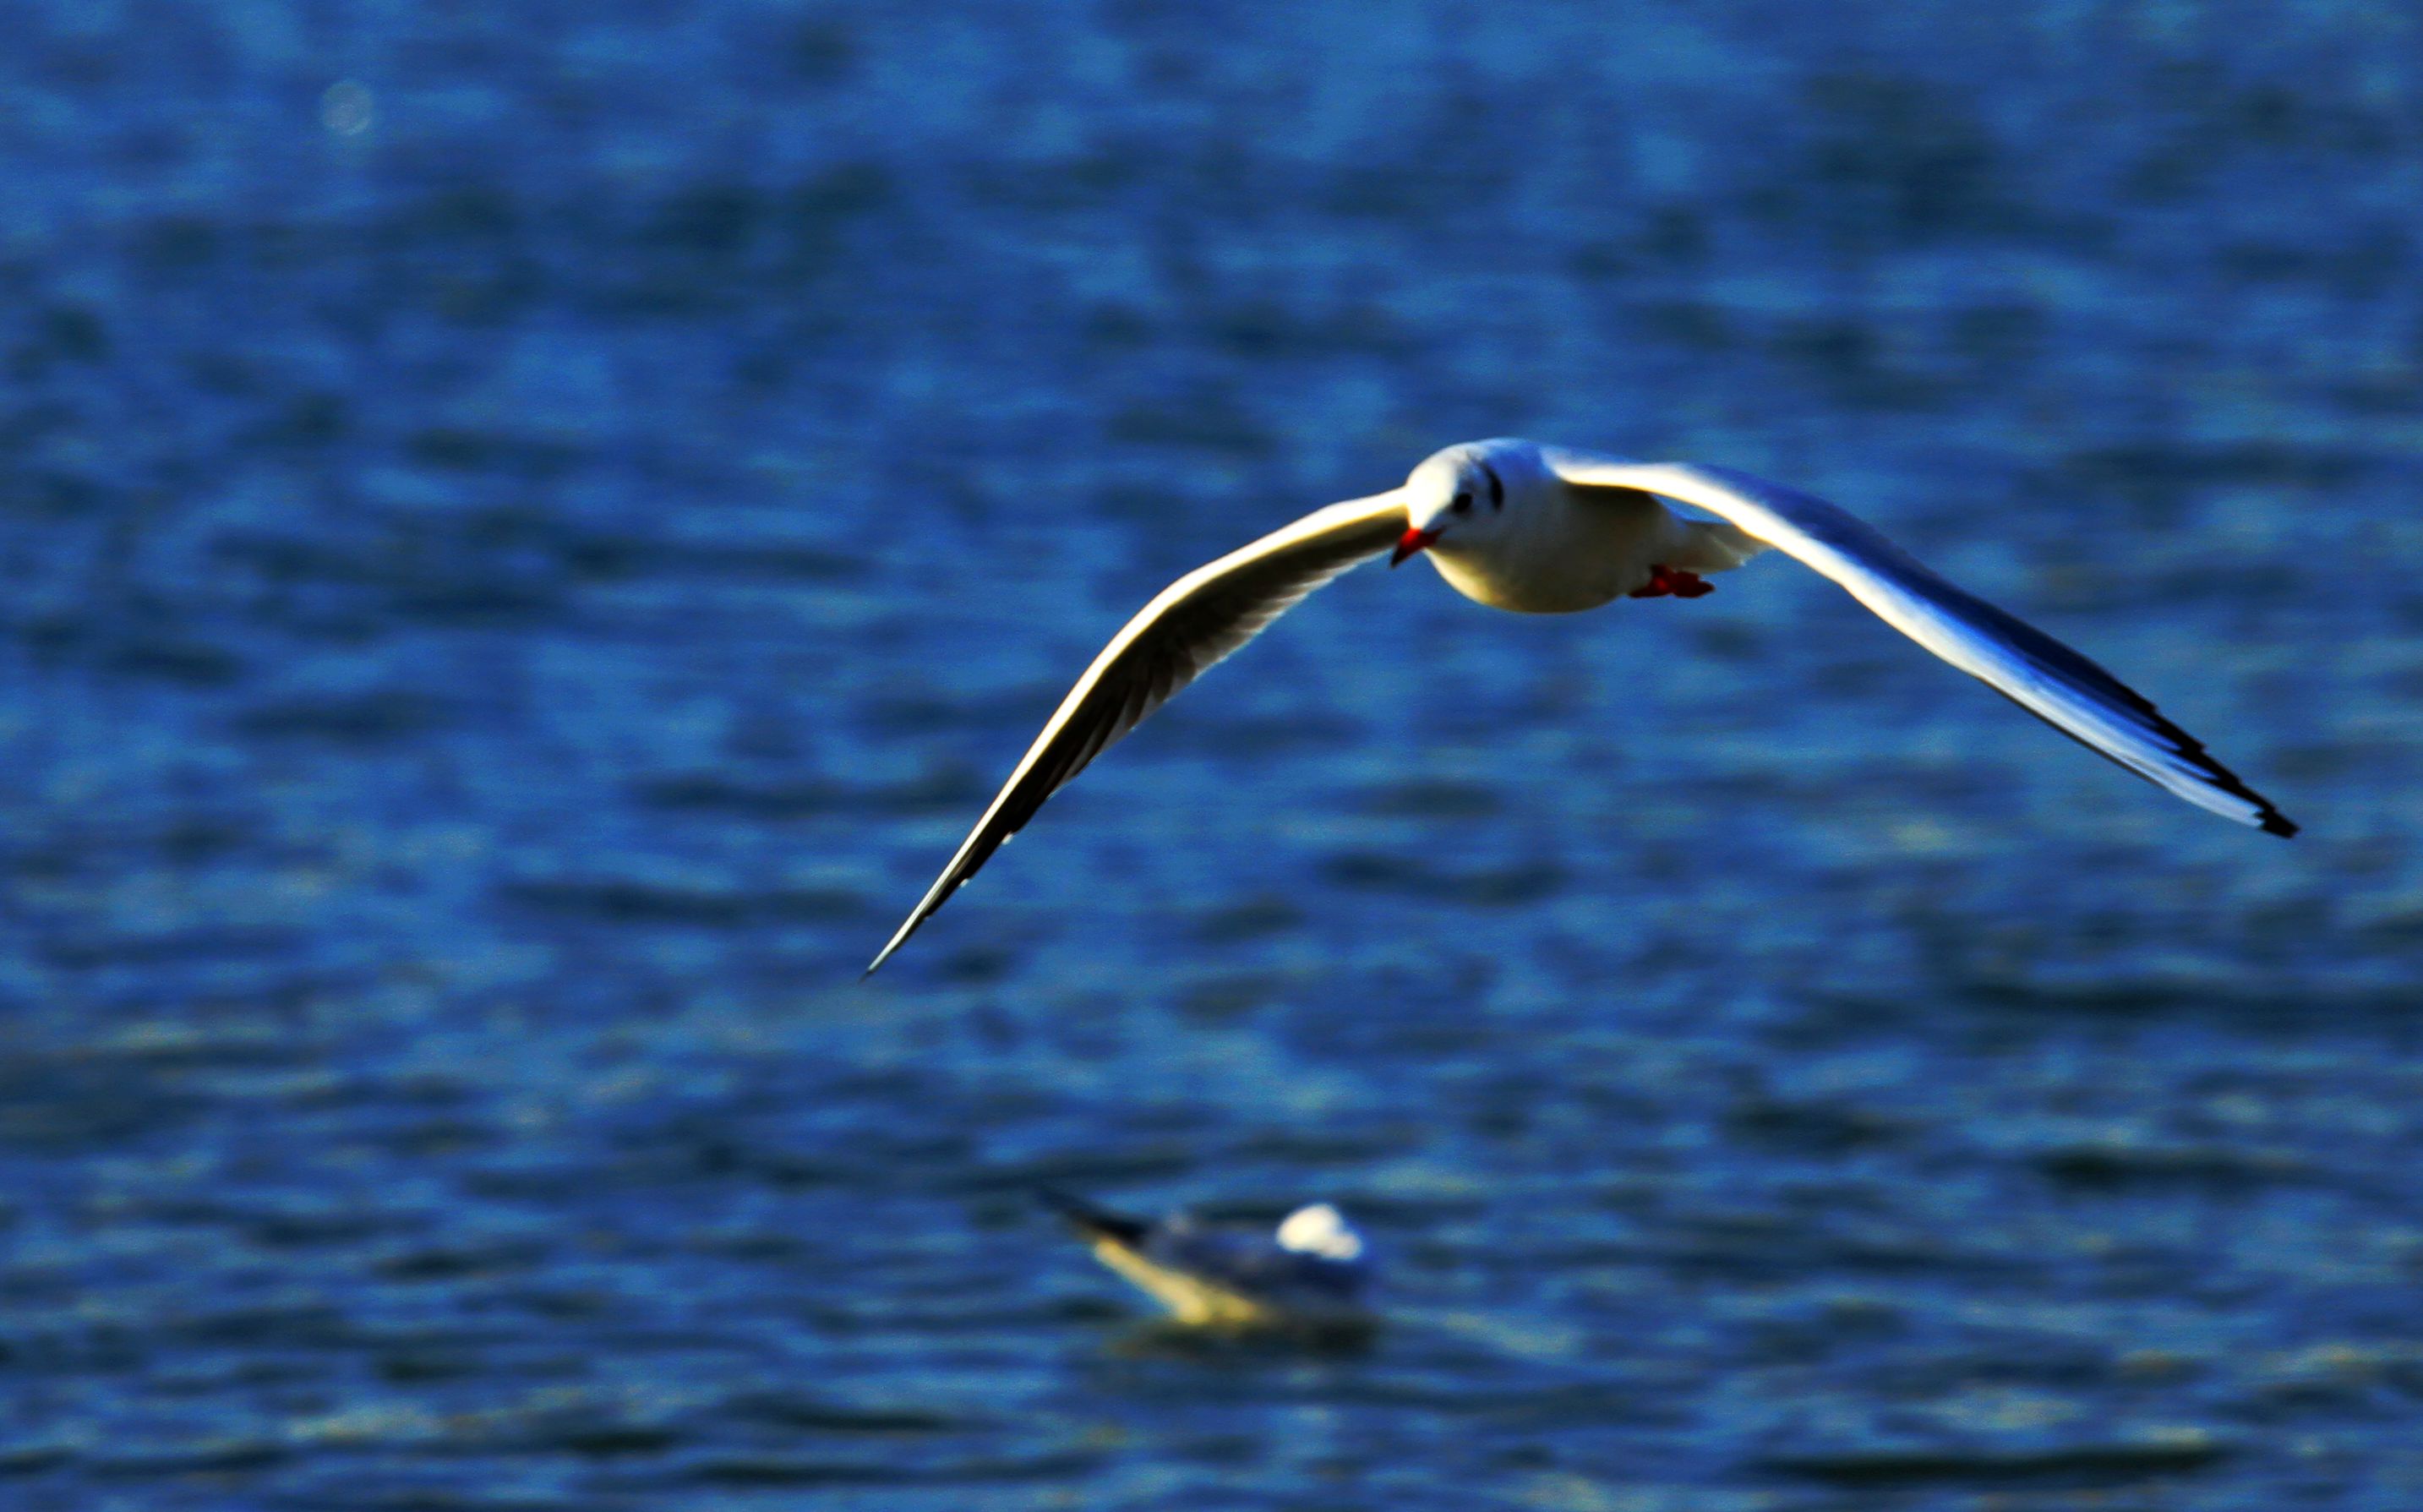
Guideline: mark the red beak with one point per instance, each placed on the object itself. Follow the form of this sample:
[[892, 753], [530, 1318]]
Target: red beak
[[1411, 542]]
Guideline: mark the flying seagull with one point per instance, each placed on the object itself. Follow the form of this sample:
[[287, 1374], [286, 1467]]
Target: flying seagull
[[1314, 1271], [1550, 530]]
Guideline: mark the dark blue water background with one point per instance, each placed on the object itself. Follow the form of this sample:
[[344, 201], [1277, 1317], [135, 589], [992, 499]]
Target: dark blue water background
[[519, 566]]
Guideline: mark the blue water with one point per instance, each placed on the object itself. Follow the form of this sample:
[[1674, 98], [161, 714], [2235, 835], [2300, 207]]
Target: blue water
[[531, 532]]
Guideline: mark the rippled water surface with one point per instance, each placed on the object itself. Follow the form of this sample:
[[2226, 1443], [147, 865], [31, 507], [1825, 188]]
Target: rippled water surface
[[530, 530]]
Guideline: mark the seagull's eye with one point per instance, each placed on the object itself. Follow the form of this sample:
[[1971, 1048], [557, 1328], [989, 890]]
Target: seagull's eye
[[1461, 503]]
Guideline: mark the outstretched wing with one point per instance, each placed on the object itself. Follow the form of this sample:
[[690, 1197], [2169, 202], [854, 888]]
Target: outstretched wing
[[1194, 622], [2015, 658]]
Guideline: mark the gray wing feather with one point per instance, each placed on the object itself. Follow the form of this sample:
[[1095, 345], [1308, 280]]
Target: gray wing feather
[[1254, 1268], [2041, 674], [1193, 623]]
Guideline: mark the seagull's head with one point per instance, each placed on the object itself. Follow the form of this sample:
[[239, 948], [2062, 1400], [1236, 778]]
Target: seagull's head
[[1455, 496], [1321, 1229]]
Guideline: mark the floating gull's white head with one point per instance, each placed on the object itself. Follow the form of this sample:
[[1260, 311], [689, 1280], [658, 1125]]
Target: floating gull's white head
[[1457, 494], [1321, 1229]]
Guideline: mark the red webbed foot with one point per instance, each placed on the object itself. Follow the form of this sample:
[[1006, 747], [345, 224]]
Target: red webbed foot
[[1664, 581]]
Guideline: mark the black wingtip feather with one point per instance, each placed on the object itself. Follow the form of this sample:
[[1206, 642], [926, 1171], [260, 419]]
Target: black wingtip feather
[[1090, 1220], [2271, 821]]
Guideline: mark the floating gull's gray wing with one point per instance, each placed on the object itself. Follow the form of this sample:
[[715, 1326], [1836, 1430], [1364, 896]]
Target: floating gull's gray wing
[[2015, 658], [1193, 623]]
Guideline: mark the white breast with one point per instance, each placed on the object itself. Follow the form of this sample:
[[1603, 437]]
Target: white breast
[[1553, 554]]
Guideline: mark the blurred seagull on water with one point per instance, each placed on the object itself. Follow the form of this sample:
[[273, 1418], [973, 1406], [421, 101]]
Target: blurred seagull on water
[[1313, 1272], [1548, 530]]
